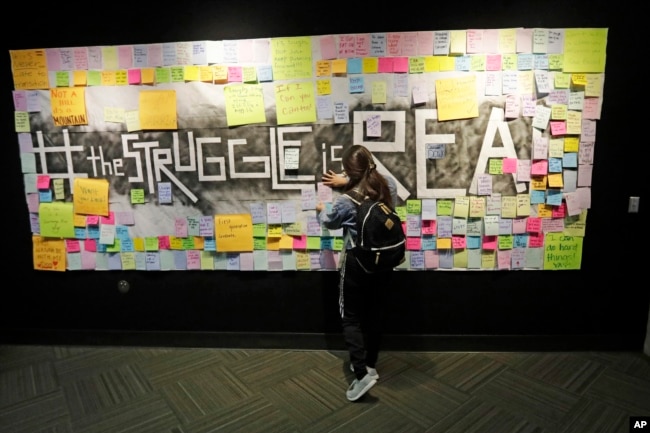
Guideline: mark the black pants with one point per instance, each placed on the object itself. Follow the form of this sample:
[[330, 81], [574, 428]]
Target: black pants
[[361, 298]]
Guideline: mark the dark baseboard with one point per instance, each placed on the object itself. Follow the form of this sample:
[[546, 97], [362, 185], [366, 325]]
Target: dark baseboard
[[318, 341]]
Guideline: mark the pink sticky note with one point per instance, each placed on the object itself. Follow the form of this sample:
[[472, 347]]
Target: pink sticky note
[[559, 211], [509, 165], [385, 65], [534, 225], [110, 219], [536, 240], [400, 64], [134, 76], [235, 74], [431, 259], [72, 245], [539, 167], [163, 242], [193, 259], [43, 181], [90, 245], [458, 242], [92, 220], [558, 127], [429, 227], [493, 62], [413, 243], [328, 47], [504, 258], [490, 242], [300, 242]]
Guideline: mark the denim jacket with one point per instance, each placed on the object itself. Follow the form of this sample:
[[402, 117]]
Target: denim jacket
[[344, 214]]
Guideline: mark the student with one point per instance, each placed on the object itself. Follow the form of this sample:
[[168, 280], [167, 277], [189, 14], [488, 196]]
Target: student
[[360, 293]]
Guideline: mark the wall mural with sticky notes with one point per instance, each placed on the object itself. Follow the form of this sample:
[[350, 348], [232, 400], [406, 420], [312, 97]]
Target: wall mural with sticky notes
[[208, 155]]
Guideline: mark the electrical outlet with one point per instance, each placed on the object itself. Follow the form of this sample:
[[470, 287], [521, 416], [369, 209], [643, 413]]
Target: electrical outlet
[[633, 205]]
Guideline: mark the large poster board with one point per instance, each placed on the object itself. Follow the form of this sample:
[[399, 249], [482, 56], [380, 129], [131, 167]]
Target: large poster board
[[134, 156]]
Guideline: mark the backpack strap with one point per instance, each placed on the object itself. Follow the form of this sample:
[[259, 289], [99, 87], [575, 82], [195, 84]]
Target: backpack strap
[[355, 196]]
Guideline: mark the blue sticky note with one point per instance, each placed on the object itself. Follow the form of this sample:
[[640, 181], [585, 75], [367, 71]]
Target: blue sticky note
[[428, 243], [180, 259], [164, 192], [264, 73], [126, 245], [417, 260], [555, 165], [554, 197], [356, 85], [570, 160], [114, 261], [121, 232], [520, 240], [473, 242], [80, 232], [152, 260], [45, 195], [463, 63], [354, 65], [446, 258], [209, 243], [140, 261], [73, 261], [537, 196]]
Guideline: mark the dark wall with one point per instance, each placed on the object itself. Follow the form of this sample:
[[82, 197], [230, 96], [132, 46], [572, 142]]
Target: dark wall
[[601, 306]]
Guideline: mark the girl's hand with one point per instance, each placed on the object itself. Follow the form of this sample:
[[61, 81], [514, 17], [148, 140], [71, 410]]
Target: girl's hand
[[334, 180]]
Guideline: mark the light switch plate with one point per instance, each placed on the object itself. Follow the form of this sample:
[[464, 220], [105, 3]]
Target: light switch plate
[[633, 205]]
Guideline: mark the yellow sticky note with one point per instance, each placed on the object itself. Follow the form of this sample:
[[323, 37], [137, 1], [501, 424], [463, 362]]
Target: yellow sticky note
[[555, 180], [571, 144], [369, 65], [323, 87], [29, 69], [138, 244], [508, 206], [234, 232], [323, 68], [48, 254], [191, 73], [443, 243], [147, 75], [244, 104], [461, 207], [295, 103], [431, 63], [158, 109], [79, 78], [457, 98], [379, 92], [286, 242], [523, 205], [90, 196], [274, 231], [585, 49], [339, 66], [68, 106]]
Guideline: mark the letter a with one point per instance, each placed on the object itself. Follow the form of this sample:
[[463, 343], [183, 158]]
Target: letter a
[[488, 151]]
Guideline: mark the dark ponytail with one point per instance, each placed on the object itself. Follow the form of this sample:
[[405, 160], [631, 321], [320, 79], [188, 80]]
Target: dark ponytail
[[360, 167]]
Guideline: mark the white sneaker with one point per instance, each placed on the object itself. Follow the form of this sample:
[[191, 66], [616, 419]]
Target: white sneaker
[[371, 371], [359, 387]]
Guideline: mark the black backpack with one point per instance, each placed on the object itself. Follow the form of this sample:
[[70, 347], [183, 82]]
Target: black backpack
[[380, 244]]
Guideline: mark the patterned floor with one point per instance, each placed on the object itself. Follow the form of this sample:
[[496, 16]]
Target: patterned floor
[[58, 389]]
